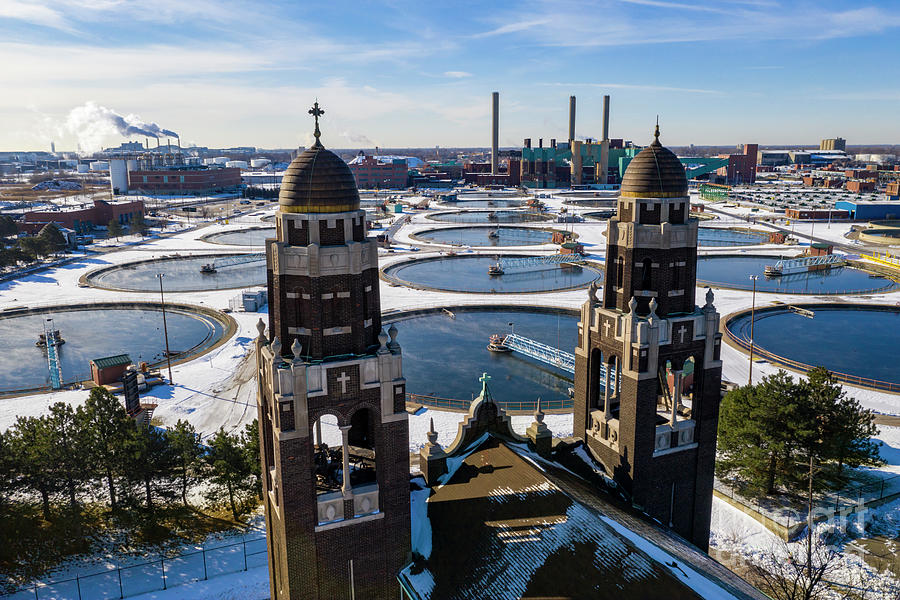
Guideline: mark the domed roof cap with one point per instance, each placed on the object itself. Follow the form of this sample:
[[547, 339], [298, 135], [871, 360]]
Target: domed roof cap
[[654, 173], [318, 180]]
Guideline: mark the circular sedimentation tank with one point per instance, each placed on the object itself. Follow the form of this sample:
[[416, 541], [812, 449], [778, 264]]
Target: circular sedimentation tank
[[469, 273], [592, 203], [488, 216], [857, 342], [516, 380], [252, 236], [888, 236], [182, 274], [485, 236], [719, 237], [99, 330], [483, 203], [734, 271]]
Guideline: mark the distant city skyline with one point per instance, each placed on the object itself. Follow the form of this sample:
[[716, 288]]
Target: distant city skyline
[[226, 73]]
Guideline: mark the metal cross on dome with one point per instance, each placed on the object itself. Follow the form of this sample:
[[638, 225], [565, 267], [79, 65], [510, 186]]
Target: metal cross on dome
[[316, 112]]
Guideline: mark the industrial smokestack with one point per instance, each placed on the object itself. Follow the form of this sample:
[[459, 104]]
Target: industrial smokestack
[[528, 142], [605, 118], [571, 120], [495, 132]]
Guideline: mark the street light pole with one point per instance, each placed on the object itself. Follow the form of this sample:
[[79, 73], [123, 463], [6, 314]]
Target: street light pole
[[752, 319], [162, 299]]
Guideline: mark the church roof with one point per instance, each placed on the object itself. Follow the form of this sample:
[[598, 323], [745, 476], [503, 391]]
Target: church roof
[[508, 524], [318, 181], [654, 173]]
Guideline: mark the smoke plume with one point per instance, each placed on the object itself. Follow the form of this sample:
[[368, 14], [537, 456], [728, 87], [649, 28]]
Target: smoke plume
[[92, 124]]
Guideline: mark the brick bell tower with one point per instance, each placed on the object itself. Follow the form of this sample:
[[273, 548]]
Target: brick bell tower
[[332, 420], [647, 367]]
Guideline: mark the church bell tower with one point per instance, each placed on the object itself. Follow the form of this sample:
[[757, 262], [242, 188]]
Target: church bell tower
[[331, 398], [647, 366]]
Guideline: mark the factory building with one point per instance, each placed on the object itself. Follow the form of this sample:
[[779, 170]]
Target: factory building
[[869, 211], [373, 172], [188, 180], [833, 144], [741, 168], [83, 219]]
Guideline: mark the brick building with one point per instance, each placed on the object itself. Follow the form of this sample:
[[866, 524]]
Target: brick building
[[83, 219], [741, 168], [860, 185], [185, 180], [372, 173], [640, 334], [326, 359]]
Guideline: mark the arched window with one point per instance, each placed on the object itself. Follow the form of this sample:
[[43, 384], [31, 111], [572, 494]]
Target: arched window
[[327, 455], [620, 272]]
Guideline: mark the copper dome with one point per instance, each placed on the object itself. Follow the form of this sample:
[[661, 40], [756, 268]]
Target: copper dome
[[318, 181], [654, 173]]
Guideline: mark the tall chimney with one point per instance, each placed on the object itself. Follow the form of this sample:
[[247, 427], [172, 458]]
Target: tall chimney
[[495, 132], [605, 118], [528, 142], [571, 120]]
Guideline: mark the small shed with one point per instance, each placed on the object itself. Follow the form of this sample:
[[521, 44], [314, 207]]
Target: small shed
[[109, 369]]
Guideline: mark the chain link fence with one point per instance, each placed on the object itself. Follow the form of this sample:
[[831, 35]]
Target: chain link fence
[[150, 576]]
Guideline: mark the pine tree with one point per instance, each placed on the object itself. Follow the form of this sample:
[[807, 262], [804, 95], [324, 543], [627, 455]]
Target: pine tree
[[755, 435], [53, 237], [187, 451], [109, 428], [33, 458], [114, 229], [138, 225], [251, 450], [7, 226], [8, 471], [150, 460], [68, 449], [229, 470]]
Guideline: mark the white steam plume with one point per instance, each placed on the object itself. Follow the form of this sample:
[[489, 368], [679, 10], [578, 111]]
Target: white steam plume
[[92, 124]]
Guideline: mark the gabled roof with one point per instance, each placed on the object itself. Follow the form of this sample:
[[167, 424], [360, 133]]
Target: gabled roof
[[505, 522], [111, 361]]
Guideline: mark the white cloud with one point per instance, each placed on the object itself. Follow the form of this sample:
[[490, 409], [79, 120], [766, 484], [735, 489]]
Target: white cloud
[[35, 13], [457, 74]]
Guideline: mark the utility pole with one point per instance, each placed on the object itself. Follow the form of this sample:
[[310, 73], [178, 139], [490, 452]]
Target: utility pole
[[162, 300], [752, 319], [809, 520]]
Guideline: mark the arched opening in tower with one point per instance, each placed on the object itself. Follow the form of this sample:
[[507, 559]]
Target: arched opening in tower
[[362, 447], [328, 455]]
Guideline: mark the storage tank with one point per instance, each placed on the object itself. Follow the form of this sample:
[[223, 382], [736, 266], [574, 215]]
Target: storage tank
[[220, 160], [118, 175], [132, 164], [240, 164], [209, 161], [83, 168], [99, 165], [259, 163]]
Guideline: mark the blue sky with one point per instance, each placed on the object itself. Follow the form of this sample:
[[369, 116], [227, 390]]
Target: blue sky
[[225, 72]]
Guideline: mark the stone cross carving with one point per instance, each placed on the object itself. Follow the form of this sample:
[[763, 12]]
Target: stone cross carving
[[316, 112], [681, 332], [606, 326], [484, 379], [343, 379]]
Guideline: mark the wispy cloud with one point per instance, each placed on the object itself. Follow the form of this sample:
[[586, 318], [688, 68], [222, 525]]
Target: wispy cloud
[[34, 13], [514, 27], [457, 74], [634, 86]]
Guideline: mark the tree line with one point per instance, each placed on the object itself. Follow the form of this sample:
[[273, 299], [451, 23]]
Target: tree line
[[769, 433], [49, 240], [98, 453]]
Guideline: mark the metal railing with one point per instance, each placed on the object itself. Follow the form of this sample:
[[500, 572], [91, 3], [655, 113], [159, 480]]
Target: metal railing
[[152, 575], [530, 261], [790, 515], [239, 259], [523, 406], [542, 352]]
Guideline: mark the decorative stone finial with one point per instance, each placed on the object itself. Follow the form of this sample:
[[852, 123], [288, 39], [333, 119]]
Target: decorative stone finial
[[653, 306], [383, 340], [538, 413], [296, 349], [592, 292], [709, 298], [316, 112], [261, 328], [276, 348], [656, 133], [392, 332], [632, 305], [432, 434]]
